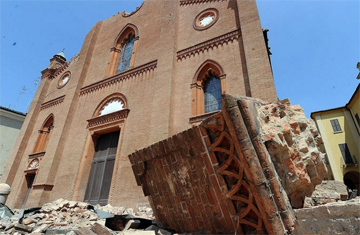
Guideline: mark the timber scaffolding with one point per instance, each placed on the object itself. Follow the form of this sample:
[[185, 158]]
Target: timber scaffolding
[[217, 177]]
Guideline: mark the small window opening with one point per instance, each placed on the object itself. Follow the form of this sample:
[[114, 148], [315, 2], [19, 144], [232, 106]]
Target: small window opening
[[335, 125]]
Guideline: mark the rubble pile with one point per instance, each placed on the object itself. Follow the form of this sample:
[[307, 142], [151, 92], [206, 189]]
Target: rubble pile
[[71, 217], [341, 218], [327, 192], [294, 145]]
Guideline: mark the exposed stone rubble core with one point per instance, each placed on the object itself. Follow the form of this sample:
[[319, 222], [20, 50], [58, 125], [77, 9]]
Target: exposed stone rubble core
[[326, 192], [293, 143], [68, 217], [341, 218]]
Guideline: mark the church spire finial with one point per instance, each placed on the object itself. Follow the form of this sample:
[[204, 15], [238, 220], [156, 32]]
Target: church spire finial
[[62, 54]]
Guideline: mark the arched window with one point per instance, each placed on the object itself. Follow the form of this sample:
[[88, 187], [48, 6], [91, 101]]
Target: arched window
[[44, 135], [208, 84], [124, 50], [212, 94], [125, 54], [105, 128], [111, 104]]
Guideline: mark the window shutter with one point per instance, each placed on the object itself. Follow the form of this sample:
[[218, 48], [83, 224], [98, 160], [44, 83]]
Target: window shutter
[[357, 119], [335, 125], [346, 154]]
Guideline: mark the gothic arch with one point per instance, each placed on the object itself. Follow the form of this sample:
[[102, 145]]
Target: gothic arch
[[127, 39], [205, 67], [44, 134], [50, 119], [208, 69], [129, 28]]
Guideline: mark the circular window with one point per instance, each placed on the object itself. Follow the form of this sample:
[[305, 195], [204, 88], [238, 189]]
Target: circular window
[[206, 19], [64, 79]]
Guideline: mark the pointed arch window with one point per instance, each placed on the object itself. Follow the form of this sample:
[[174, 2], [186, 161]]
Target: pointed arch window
[[44, 135], [124, 50], [125, 54], [208, 84], [212, 94]]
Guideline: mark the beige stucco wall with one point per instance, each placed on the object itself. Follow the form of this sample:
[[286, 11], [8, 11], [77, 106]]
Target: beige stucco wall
[[332, 140], [10, 125]]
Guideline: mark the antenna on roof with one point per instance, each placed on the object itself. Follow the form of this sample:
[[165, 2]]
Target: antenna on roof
[[36, 82], [23, 90]]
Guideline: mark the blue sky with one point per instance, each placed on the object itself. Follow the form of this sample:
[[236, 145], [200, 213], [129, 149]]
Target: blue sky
[[315, 45]]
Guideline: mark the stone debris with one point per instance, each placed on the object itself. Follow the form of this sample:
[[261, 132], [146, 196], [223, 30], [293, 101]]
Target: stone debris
[[294, 145], [341, 218], [69, 217], [327, 192]]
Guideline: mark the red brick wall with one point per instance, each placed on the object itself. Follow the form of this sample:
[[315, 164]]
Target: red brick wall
[[159, 100]]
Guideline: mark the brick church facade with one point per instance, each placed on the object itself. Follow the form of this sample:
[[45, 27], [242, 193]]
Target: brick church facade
[[138, 78]]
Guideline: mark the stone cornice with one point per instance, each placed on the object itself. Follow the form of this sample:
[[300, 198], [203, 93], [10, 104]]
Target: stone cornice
[[209, 44], [37, 155], [107, 119], [190, 2], [46, 187], [52, 102], [119, 77]]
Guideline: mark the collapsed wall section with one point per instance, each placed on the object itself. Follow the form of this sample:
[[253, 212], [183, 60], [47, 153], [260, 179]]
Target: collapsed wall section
[[223, 175]]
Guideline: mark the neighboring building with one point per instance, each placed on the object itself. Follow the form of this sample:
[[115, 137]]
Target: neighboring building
[[138, 79], [340, 130], [10, 125]]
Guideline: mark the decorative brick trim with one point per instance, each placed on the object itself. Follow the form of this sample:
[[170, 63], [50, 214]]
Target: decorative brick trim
[[201, 117], [107, 119], [190, 2], [125, 14], [119, 77], [64, 67], [53, 102], [209, 44]]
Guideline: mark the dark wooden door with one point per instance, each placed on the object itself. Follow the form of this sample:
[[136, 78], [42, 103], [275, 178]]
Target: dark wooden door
[[29, 183], [98, 187]]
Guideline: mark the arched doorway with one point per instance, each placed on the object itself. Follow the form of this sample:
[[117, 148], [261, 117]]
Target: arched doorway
[[352, 181]]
